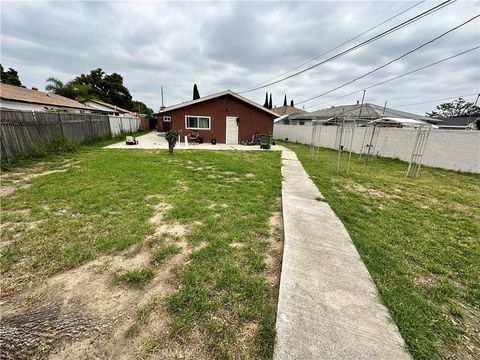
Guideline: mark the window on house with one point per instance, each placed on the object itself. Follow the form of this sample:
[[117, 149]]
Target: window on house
[[197, 122], [167, 119]]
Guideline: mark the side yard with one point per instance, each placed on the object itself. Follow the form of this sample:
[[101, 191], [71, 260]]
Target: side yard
[[420, 240], [123, 254]]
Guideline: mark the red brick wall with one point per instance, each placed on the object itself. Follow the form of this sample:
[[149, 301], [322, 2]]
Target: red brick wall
[[252, 120]]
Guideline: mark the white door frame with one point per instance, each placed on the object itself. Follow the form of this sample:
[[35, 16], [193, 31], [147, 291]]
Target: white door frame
[[227, 128]]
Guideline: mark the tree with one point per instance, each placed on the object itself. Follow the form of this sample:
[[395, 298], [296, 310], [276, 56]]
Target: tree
[[108, 88], [291, 103], [172, 137], [9, 77], [71, 90], [270, 105], [459, 107], [141, 108], [285, 100], [99, 86], [196, 94], [265, 104]]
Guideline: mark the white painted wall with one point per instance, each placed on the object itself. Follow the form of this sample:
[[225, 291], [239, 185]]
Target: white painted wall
[[17, 105], [447, 149], [123, 123]]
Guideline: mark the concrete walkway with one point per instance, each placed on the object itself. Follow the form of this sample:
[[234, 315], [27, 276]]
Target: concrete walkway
[[328, 306]]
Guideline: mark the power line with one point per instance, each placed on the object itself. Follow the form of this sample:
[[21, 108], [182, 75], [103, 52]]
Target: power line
[[391, 61], [400, 76], [376, 37], [344, 43]]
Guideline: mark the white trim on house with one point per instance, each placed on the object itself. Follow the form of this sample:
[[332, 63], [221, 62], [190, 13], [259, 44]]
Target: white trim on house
[[210, 97], [198, 117]]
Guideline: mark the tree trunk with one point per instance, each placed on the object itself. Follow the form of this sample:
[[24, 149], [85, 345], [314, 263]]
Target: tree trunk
[[171, 145]]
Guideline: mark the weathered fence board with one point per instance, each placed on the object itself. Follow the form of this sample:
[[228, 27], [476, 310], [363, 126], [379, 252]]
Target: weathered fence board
[[21, 130]]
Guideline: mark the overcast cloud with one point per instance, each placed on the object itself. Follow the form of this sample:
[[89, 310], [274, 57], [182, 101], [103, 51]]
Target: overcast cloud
[[237, 45]]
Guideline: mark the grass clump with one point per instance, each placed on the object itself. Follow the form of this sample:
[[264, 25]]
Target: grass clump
[[137, 278], [164, 252]]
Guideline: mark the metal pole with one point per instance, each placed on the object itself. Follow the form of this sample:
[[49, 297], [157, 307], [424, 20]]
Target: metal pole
[[340, 146], [384, 107], [351, 146], [161, 90], [361, 106]]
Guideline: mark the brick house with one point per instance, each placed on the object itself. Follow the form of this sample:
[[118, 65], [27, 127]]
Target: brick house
[[226, 116]]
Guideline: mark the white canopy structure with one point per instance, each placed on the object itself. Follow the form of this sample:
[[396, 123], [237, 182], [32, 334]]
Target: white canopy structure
[[399, 122]]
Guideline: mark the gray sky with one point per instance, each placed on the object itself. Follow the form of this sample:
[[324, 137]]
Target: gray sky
[[238, 45]]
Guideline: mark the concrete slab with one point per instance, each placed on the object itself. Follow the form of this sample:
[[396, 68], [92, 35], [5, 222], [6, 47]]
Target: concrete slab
[[328, 306], [153, 141]]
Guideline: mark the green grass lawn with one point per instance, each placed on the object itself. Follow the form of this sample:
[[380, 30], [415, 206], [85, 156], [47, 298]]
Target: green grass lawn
[[420, 240], [102, 206]]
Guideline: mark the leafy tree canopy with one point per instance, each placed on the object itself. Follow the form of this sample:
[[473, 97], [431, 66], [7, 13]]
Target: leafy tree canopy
[[108, 88], [9, 77], [141, 108], [459, 107], [99, 86]]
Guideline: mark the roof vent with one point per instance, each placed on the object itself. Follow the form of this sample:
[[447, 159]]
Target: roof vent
[[34, 88]]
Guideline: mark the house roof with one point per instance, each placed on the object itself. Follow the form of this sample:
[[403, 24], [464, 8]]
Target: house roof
[[113, 107], [368, 112], [401, 121], [287, 110], [20, 94], [458, 120], [210, 97]]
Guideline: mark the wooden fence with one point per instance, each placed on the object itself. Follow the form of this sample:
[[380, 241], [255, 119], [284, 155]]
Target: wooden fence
[[21, 130]]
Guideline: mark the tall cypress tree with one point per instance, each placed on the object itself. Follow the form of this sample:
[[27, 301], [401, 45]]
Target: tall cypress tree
[[270, 106], [291, 103], [196, 94], [285, 100], [265, 104]]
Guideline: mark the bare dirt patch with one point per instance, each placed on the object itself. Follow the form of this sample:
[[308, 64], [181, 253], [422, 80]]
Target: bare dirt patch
[[355, 187], [274, 255], [81, 314], [21, 179]]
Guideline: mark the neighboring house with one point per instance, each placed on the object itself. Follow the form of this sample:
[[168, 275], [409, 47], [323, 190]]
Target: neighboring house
[[349, 113], [107, 108], [287, 110], [460, 123], [20, 98], [399, 123], [225, 116]]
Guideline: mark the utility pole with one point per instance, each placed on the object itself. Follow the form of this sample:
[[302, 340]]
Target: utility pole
[[163, 106]]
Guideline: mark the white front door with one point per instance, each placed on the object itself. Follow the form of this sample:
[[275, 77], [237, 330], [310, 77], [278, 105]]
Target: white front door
[[232, 130]]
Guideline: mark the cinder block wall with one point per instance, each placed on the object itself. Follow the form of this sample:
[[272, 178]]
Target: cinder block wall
[[448, 149]]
